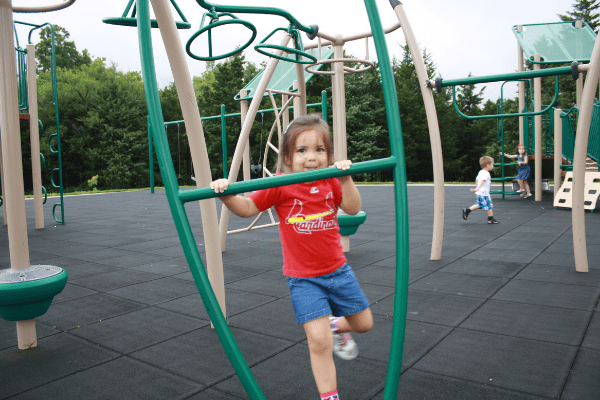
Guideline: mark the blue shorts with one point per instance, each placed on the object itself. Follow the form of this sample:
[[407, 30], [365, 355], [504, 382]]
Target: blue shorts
[[337, 293], [485, 202]]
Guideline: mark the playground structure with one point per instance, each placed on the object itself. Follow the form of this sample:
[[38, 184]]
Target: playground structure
[[213, 278], [26, 292]]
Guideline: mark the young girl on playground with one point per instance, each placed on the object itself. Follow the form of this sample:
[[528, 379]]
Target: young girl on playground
[[326, 296], [523, 170]]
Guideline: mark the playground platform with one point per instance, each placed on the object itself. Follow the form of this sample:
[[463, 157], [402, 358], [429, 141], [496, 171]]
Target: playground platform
[[503, 314]]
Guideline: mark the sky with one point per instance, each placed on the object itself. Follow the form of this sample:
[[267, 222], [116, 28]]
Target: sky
[[462, 36]]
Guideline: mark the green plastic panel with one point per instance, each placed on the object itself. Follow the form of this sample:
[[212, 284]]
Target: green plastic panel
[[558, 42], [284, 76]]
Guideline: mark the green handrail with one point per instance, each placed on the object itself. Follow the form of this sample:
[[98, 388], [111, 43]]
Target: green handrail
[[124, 20], [258, 10], [297, 50]]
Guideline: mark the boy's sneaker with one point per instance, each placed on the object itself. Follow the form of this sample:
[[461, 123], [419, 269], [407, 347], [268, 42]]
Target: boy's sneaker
[[520, 190], [465, 214], [493, 221], [344, 346], [527, 196]]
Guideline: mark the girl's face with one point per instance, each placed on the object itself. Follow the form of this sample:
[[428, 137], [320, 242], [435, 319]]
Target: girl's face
[[308, 153], [521, 149]]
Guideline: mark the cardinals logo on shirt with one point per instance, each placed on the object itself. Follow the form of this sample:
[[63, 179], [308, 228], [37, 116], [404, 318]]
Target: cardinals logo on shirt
[[314, 222]]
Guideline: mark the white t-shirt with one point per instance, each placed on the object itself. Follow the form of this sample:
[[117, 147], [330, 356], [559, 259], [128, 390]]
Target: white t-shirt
[[485, 176]]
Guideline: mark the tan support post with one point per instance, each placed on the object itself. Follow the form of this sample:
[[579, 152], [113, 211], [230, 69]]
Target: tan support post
[[14, 196], [300, 81], [34, 136], [296, 101], [579, 81], [2, 181], [434, 135], [520, 68], [286, 115], [558, 145], [193, 125], [339, 106], [537, 98], [581, 144], [246, 156]]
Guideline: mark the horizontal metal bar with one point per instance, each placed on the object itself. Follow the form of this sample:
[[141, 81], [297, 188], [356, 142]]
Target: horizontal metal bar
[[287, 179], [504, 77]]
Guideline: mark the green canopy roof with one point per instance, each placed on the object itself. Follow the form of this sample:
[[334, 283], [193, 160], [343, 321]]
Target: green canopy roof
[[558, 42], [283, 77]]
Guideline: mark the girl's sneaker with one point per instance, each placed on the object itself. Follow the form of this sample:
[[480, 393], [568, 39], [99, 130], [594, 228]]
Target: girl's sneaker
[[344, 346], [528, 195], [520, 190]]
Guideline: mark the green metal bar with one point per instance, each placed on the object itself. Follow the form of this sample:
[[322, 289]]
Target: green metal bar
[[256, 10], [224, 141], [524, 114], [184, 231], [401, 201], [287, 179], [507, 77], [324, 105]]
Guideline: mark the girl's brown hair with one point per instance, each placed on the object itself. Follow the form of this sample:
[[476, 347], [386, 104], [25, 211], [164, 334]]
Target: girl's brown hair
[[295, 128]]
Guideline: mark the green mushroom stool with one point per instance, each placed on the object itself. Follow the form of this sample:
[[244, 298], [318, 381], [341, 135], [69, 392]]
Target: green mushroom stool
[[349, 225], [27, 293]]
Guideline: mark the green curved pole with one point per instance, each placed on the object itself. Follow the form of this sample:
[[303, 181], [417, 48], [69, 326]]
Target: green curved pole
[[165, 163], [256, 10], [401, 198]]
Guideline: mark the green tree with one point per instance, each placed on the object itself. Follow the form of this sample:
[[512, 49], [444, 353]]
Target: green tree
[[67, 56], [583, 10]]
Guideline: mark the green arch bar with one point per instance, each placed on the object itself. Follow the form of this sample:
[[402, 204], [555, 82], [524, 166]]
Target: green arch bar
[[177, 199]]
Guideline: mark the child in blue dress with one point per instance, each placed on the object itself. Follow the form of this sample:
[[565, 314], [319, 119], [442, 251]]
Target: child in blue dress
[[326, 296], [523, 171]]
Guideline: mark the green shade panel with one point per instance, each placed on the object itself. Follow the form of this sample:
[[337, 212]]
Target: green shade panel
[[558, 42], [284, 76]]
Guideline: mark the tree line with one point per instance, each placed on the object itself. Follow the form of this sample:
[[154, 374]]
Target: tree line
[[103, 119]]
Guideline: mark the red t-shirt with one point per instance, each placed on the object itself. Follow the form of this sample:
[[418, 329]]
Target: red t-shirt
[[308, 225]]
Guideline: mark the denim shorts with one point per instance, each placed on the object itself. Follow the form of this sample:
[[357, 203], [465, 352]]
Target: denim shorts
[[337, 293], [485, 202]]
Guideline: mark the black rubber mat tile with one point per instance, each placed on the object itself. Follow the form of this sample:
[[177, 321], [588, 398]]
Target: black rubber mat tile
[[419, 339], [421, 385], [156, 291], [71, 292], [523, 365], [138, 329], [8, 332], [583, 382], [487, 254], [232, 273], [55, 356], [122, 378], [263, 261], [516, 244], [375, 293], [275, 318], [145, 245], [121, 241], [212, 394], [101, 255], [435, 308], [271, 283], [550, 294], [592, 335], [279, 378], [174, 251], [419, 261], [235, 303], [360, 256], [459, 284], [134, 259], [113, 280], [469, 266], [567, 247], [560, 274], [561, 259], [385, 276], [83, 237], [199, 355], [64, 248], [556, 325], [71, 314], [170, 267]]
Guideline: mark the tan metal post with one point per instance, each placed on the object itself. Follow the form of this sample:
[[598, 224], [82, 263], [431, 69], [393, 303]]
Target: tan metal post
[[579, 81], [286, 114], [434, 135], [301, 89], [14, 196], [581, 144], [537, 97], [2, 180], [246, 156], [34, 136], [520, 68], [193, 125], [296, 101], [558, 144], [338, 101]]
